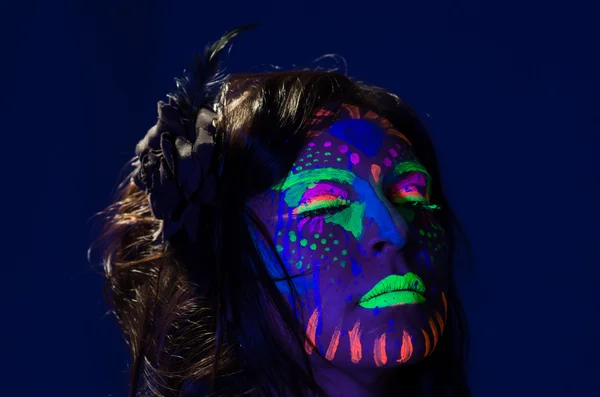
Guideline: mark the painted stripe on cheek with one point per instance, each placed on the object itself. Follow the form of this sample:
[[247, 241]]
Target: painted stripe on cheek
[[406, 350], [427, 343], [445, 307], [440, 321], [333, 344], [355, 345], [379, 353], [434, 332], [311, 332]]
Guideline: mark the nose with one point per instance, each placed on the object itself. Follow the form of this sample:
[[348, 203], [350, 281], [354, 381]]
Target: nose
[[386, 235], [378, 246]]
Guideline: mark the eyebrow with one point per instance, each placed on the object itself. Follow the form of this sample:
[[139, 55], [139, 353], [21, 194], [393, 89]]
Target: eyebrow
[[410, 166], [318, 175]]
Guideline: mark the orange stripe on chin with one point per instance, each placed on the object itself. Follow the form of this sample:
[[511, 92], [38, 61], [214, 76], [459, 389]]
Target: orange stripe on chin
[[406, 350], [440, 321], [311, 332], [333, 344], [355, 345], [379, 353], [427, 343], [434, 332], [445, 307]]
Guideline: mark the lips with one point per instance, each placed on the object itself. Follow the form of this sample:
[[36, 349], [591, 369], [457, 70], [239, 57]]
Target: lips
[[395, 290]]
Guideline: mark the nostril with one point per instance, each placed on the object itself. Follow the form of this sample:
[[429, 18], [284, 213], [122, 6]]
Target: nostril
[[378, 247]]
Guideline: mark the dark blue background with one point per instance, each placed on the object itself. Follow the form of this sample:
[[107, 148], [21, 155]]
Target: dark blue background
[[508, 88]]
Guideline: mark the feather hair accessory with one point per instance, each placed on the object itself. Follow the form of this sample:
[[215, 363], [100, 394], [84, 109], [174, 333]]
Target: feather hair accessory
[[174, 161]]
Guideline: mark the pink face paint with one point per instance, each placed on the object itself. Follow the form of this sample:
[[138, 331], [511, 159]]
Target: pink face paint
[[354, 158], [379, 353], [434, 332], [411, 187], [320, 224], [355, 344], [427, 343], [323, 113], [343, 148], [311, 332], [327, 144], [302, 223], [440, 322], [320, 195], [387, 162], [375, 172], [333, 344], [397, 133], [406, 350], [393, 153], [312, 224], [353, 110], [445, 307]]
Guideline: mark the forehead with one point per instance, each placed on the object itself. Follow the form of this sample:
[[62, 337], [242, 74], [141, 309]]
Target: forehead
[[354, 138]]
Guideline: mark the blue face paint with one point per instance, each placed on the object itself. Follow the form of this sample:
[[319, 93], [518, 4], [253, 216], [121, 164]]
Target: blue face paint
[[376, 210], [364, 135]]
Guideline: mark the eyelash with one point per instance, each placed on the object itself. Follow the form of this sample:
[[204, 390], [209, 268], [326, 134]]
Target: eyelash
[[419, 205], [422, 205], [325, 210]]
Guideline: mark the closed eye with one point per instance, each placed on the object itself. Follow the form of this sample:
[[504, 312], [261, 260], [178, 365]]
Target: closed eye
[[320, 206]]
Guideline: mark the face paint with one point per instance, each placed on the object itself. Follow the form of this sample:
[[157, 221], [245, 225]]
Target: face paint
[[354, 226]]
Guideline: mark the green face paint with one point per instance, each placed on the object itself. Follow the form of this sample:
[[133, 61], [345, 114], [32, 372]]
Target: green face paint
[[350, 219], [296, 184]]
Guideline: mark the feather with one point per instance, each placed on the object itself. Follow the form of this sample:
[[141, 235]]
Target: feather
[[198, 90]]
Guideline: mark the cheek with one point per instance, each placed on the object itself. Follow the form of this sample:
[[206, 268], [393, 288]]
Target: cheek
[[429, 246], [321, 253]]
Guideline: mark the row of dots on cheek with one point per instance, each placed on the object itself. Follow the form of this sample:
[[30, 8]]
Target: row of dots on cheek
[[313, 249]]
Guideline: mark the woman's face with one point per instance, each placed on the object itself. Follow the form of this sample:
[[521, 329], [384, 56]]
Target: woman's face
[[353, 222]]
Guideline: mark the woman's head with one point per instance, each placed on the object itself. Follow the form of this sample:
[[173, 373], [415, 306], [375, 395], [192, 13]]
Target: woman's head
[[326, 198], [354, 225]]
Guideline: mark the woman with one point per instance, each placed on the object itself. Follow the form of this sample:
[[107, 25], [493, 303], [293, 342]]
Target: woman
[[284, 234]]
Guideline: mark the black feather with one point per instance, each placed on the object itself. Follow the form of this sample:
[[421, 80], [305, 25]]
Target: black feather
[[199, 90]]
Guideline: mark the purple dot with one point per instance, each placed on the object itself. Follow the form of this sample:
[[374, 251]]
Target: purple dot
[[399, 146], [393, 153], [343, 148], [311, 144], [387, 162], [354, 158], [327, 144]]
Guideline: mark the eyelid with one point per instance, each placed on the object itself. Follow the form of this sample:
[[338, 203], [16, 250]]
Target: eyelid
[[316, 204], [402, 180]]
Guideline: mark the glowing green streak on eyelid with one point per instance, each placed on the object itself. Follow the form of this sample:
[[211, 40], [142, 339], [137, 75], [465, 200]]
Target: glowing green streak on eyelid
[[296, 184], [411, 166]]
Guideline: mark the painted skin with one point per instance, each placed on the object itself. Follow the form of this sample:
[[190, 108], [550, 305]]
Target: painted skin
[[355, 210]]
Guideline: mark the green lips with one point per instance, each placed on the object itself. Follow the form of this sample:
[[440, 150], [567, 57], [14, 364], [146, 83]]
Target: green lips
[[395, 290]]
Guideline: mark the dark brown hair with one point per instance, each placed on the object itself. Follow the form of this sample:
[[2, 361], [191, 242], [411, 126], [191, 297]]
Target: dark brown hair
[[186, 309]]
